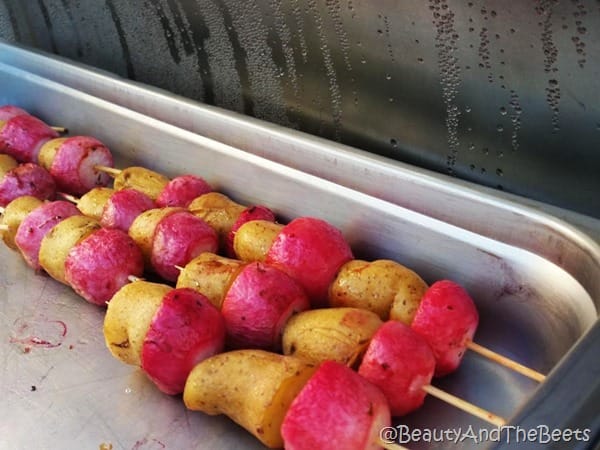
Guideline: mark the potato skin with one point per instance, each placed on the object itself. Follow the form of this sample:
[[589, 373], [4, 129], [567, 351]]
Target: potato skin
[[383, 286], [143, 228], [211, 275], [14, 213], [338, 334], [59, 241], [252, 387], [7, 163], [48, 152], [92, 203], [147, 181], [128, 317], [253, 239]]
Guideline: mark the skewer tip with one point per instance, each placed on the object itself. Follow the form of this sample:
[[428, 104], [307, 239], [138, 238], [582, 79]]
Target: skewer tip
[[61, 130], [133, 278], [465, 405], [506, 362]]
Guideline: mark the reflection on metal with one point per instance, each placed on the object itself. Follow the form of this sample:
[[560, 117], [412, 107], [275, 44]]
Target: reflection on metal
[[503, 94]]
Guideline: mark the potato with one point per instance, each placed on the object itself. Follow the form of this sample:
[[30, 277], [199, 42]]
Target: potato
[[57, 243], [252, 387], [7, 163], [143, 227], [13, 215], [385, 287], [254, 239], [211, 275], [147, 181], [92, 203], [128, 317], [339, 334], [48, 152], [217, 210]]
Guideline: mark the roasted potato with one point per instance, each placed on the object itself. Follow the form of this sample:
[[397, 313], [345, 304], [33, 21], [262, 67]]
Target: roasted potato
[[252, 387]]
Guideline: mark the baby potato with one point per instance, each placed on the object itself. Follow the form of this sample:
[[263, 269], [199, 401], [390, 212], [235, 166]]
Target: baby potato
[[339, 334], [48, 152], [92, 203], [252, 387], [211, 275], [217, 210], [147, 181], [383, 286], [143, 227], [7, 163], [57, 243], [13, 215], [128, 317], [253, 239]]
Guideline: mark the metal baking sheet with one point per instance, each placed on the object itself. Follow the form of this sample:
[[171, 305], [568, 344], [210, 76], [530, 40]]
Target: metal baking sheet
[[64, 390]]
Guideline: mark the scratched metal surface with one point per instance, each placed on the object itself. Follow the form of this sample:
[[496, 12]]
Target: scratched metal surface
[[531, 309], [61, 388]]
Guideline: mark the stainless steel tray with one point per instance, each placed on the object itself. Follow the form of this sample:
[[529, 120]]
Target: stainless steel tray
[[74, 395]]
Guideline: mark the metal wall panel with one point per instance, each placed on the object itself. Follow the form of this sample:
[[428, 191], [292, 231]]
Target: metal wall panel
[[503, 93]]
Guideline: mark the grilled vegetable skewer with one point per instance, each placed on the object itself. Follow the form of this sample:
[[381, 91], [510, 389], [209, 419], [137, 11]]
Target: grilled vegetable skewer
[[444, 313]]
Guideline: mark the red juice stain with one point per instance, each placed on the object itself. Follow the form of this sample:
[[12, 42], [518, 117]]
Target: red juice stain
[[40, 333]]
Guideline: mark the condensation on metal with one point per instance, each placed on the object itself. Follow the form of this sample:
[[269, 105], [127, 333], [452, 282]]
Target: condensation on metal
[[501, 94]]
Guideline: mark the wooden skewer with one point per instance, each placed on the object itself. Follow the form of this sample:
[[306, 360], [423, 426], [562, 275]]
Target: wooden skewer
[[3, 227], [506, 362], [60, 129], [69, 197], [2, 209], [465, 405], [109, 170], [133, 278]]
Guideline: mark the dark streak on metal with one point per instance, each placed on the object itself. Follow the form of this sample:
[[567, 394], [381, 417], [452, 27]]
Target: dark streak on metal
[[175, 9], [48, 24], [13, 21], [78, 43], [119, 27], [167, 31], [240, 57], [199, 34]]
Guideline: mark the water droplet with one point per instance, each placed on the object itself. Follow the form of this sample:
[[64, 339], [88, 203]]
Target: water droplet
[[503, 110], [467, 109], [388, 76], [394, 142], [500, 128], [128, 390], [420, 60], [499, 172]]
